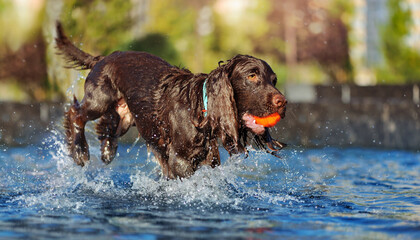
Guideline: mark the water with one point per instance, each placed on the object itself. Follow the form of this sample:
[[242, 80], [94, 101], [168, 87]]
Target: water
[[325, 193]]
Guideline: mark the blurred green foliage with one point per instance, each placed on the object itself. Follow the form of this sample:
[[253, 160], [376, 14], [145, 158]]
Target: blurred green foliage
[[402, 61], [21, 44], [342, 9], [3, 5], [157, 44], [101, 26], [204, 36], [198, 34]]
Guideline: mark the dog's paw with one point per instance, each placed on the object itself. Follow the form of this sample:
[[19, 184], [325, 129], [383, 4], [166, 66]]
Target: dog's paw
[[108, 149], [79, 151]]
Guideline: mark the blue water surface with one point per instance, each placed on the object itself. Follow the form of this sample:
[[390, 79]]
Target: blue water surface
[[327, 193]]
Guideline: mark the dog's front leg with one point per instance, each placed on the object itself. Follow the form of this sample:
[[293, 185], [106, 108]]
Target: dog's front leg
[[179, 167]]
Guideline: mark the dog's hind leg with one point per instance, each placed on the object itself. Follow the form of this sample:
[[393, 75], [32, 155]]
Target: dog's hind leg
[[107, 134], [112, 125], [74, 124], [99, 98]]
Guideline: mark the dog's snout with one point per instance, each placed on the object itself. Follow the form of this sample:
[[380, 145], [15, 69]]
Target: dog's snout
[[279, 100]]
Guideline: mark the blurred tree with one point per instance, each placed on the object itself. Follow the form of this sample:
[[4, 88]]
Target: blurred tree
[[101, 26], [402, 61], [96, 26], [157, 44], [241, 30], [27, 67], [5, 6], [175, 22], [22, 51], [305, 31], [204, 32], [196, 34]]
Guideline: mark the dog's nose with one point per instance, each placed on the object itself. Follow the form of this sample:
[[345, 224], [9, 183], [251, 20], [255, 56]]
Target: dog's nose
[[279, 100]]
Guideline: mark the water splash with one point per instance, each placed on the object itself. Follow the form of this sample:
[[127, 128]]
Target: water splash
[[71, 91], [134, 175]]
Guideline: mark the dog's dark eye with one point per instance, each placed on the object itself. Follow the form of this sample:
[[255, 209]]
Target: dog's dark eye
[[252, 77]]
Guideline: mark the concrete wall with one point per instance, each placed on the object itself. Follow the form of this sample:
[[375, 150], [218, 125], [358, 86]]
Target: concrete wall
[[317, 116], [379, 116]]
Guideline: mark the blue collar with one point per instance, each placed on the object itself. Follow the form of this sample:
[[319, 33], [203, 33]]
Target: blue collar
[[205, 100]]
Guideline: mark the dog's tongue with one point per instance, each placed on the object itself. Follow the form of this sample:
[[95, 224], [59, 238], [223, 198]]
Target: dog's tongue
[[258, 124], [249, 121]]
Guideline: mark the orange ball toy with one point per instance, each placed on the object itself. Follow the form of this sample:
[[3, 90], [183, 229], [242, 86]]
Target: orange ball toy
[[268, 121]]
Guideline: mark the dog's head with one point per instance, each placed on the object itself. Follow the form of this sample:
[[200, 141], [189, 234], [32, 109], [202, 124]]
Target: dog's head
[[253, 83], [239, 91]]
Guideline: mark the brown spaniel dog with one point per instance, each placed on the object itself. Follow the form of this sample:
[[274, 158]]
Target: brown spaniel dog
[[180, 115]]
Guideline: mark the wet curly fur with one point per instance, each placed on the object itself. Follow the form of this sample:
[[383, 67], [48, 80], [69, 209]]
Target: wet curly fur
[[166, 105]]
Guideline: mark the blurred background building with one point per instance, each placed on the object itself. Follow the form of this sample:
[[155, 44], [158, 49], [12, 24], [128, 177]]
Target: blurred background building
[[309, 42]]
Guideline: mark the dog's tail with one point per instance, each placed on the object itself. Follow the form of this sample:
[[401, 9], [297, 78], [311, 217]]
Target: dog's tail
[[75, 57]]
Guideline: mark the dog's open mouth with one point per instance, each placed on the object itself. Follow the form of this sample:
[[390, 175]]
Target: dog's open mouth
[[258, 124]]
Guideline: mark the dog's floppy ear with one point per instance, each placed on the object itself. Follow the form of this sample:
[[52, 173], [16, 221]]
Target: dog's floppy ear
[[222, 111]]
